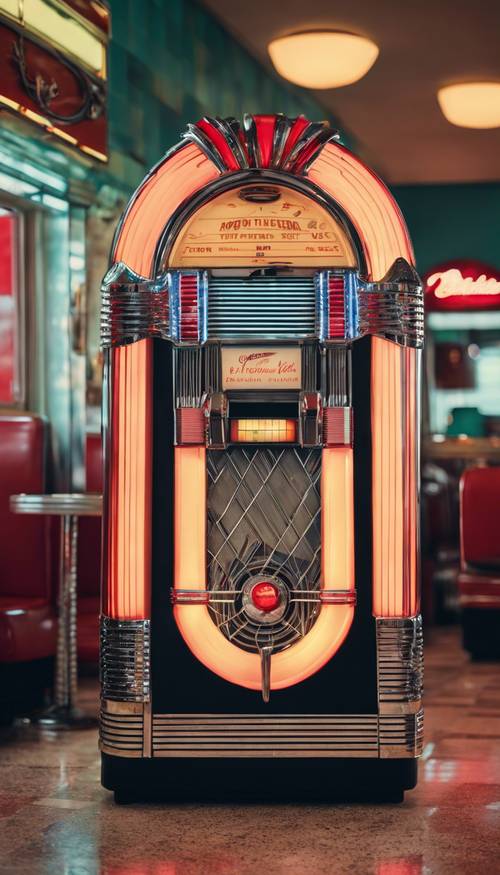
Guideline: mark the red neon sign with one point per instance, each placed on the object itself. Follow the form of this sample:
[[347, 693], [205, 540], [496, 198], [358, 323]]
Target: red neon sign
[[463, 285]]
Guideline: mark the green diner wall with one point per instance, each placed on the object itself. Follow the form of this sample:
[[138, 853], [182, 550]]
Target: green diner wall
[[452, 222], [171, 62]]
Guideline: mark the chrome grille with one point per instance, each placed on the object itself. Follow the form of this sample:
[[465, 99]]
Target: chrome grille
[[401, 735], [121, 734], [400, 660], [250, 735], [265, 307], [124, 659], [264, 517]]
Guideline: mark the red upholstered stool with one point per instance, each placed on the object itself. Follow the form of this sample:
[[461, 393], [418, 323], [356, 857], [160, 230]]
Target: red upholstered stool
[[27, 606], [479, 579], [89, 560]]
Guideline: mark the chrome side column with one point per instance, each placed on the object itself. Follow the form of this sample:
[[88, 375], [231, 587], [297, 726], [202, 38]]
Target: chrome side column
[[125, 724], [400, 664]]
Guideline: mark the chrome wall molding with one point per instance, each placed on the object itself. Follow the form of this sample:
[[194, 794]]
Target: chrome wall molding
[[121, 729], [133, 307], [400, 665], [125, 660]]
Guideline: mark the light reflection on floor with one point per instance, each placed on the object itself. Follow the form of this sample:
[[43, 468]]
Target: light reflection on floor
[[56, 820]]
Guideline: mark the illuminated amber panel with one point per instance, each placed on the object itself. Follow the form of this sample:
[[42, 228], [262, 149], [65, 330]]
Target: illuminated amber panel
[[368, 203], [337, 518], [127, 574], [190, 518], [264, 431], [395, 436], [157, 198]]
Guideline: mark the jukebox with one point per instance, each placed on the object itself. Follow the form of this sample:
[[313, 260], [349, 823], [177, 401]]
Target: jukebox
[[262, 325]]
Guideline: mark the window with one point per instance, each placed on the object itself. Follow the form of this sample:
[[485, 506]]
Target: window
[[465, 373]]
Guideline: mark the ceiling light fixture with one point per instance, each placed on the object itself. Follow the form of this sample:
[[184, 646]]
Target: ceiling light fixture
[[471, 104], [323, 59]]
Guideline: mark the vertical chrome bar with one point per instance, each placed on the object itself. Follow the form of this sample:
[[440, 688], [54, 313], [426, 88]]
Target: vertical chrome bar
[[66, 668]]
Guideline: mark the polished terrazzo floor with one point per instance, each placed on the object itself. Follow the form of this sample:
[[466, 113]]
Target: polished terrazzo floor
[[55, 819]]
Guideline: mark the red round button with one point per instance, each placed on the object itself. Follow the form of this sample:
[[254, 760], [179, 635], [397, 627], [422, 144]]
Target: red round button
[[265, 596]]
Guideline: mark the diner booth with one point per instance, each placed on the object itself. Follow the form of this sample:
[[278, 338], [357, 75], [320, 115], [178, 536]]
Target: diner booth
[[461, 446], [53, 140]]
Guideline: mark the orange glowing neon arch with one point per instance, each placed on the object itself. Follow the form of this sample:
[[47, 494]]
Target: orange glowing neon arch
[[204, 639], [214, 150]]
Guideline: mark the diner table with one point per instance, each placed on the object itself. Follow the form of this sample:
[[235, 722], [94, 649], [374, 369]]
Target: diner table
[[63, 712]]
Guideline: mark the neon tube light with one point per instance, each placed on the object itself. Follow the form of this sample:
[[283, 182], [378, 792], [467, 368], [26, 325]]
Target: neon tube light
[[395, 472], [204, 639]]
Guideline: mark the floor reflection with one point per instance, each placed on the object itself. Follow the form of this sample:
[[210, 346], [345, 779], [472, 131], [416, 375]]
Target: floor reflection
[[57, 820]]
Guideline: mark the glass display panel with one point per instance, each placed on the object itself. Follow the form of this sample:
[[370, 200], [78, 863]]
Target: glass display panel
[[262, 225]]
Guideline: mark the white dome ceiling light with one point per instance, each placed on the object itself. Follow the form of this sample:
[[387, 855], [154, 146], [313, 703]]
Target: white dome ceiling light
[[323, 59], [471, 104]]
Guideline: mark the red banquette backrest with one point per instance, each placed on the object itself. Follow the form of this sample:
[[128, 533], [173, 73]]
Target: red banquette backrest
[[480, 518], [27, 604]]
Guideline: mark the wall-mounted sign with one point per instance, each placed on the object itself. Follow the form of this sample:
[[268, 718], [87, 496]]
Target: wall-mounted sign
[[262, 225], [53, 68], [463, 285], [257, 368]]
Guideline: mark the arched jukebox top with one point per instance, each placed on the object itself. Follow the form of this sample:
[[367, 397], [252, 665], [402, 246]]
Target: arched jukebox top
[[274, 193], [261, 252]]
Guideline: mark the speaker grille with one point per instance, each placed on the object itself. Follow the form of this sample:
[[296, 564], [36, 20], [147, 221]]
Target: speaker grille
[[273, 308]]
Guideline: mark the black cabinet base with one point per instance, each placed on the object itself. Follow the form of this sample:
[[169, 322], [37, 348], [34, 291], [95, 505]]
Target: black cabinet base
[[258, 780], [481, 632]]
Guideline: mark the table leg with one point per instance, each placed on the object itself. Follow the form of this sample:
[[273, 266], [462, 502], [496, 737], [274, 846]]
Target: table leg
[[64, 714]]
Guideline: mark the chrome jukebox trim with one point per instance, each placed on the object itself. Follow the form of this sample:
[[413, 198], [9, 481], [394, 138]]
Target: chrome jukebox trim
[[282, 128], [226, 596], [124, 660], [394, 307], [197, 136], [121, 729], [128, 729], [400, 665], [401, 736], [243, 141], [252, 735], [133, 307], [246, 309]]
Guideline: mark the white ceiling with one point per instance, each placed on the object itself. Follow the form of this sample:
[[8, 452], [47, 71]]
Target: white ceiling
[[393, 113]]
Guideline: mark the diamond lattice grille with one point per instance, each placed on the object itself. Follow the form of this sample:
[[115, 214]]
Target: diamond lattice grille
[[264, 518]]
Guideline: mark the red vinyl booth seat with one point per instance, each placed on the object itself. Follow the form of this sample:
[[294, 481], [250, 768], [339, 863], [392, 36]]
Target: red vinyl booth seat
[[89, 560], [479, 579], [27, 609]]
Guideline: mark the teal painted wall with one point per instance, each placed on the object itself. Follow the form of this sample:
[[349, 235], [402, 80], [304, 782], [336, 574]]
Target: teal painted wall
[[452, 221], [171, 62]]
